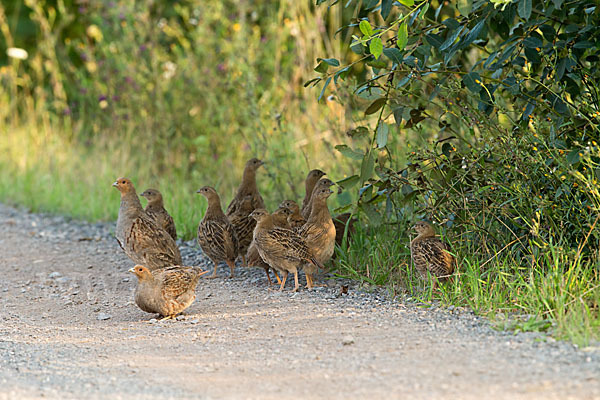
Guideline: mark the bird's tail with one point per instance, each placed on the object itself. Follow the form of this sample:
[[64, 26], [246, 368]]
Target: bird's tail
[[317, 263]]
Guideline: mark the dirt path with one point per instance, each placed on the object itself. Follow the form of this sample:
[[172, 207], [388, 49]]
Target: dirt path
[[241, 340]]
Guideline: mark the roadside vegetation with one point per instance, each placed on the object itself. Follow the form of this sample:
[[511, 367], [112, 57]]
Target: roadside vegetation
[[480, 116]]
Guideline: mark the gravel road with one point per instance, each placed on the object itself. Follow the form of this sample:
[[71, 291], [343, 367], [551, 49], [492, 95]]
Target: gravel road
[[69, 329]]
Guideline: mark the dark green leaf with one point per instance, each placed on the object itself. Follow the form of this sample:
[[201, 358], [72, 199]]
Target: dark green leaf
[[382, 135], [532, 42], [393, 54], [398, 115], [450, 39], [348, 182], [473, 82], [313, 81], [375, 106], [434, 40], [585, 44], [386, 7], [473, 34], [406, 189], [464, 7], [324, 87], [573, 157], [348, 152], [331, 61], [367, 167], [322, 67], [524, 9]]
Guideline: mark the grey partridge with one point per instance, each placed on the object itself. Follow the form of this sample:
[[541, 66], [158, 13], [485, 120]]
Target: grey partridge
[[139, 236], [166, 291], [238, 210], [322, 183], [283, 249], [318, 233], [430, 254], [280, 219], [295, 219], [156, 210], [216, 235], [309, 185]]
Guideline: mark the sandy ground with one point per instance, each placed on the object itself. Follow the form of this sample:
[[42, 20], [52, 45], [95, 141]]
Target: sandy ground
[[69, 329]]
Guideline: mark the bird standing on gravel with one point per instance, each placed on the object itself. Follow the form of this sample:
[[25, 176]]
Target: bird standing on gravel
[[280, 220], [236, 211], [309, 185], [318, 233], [295, 220], [216, 235], [322, 183], [429, 253], [139, 236], [166, 291], [283, 249], [156, 210]]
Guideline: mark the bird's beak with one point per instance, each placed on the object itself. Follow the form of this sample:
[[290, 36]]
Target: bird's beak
[[130, 270], [198, 191], [115, 183]]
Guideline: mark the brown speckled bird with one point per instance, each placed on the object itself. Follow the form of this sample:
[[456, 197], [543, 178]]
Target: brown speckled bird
[[309, 185], [280, 217], [322, 183], [216, 235], [283, 249], [166, 291], [318, 233], [139, 236], [243, 225], [295, 219], [429, 253], [156, 210], [238, 210]]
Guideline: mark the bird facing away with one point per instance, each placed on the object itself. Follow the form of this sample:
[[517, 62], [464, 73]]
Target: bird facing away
[[309, 185], [216, 235], [429, 253], [322, 183], [295, 219], [238, 210], [283, 249], [280, 217], [139, 236], [166, 291], [156, 210], [318, 233], [340, 222]]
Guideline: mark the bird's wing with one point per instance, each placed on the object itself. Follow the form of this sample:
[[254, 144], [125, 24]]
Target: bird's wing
[[219, 236], [177, 280], [151, 242]]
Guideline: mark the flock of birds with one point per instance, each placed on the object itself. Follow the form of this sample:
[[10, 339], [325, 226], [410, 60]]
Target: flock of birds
[[294, 237]]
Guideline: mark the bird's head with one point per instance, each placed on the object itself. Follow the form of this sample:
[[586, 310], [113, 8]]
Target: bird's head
[[324, 183], [141, 272], [424, 229], [323, 193], [151, 195], [254, 163], [290, 205], [124, 185], [259, 214], [315, 175], [207, 191]]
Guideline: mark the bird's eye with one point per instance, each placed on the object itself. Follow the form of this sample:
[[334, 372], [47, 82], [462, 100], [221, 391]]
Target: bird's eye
[[123, 182]]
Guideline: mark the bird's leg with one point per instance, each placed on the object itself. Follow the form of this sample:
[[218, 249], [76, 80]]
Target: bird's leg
[[309, 281], [277, 276], [296, 286], [268, 276], [285, 274], [167, 317], [231, 267], [244, 262], [214, 274]]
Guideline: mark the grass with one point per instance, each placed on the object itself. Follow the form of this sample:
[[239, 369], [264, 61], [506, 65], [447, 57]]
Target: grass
[[558, 294]]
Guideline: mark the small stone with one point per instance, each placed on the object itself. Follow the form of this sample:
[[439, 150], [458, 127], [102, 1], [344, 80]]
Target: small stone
[[347, 340], [54, 275], [194, 321], [153, 320], [180, 318], [103, 316]]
